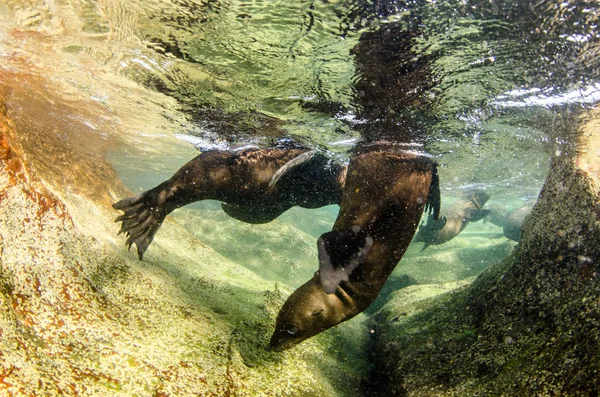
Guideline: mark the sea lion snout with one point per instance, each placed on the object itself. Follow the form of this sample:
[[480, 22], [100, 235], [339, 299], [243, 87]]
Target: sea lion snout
[[308, 311]]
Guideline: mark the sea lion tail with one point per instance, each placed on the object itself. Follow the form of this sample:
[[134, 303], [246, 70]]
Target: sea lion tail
[[434, 198], [140, 221]]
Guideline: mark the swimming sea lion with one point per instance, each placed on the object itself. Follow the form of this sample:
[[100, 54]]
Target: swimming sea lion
[[514, 220], [496, 214], [381, 204], [383, 200], [255, 186], [453, 219]]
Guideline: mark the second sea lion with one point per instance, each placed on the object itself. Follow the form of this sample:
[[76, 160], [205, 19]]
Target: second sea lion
[[453, 219], [496, 214], [514, 220], [383, 200]]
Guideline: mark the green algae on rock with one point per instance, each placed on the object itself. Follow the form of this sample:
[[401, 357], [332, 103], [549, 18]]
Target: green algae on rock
[[290, 254], [529, 325]]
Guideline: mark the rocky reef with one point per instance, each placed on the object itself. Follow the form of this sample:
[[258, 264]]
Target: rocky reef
[[81, 82], [81, 316], [529, 325]]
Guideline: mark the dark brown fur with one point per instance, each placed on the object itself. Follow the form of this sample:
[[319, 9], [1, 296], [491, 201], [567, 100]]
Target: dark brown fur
[[241, 180], [384, 196]]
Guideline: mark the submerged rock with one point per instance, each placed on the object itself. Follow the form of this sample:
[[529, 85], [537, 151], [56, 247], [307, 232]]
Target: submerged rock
[[529, 325], [80, 316]]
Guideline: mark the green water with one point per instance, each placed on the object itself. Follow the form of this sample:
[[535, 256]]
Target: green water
[[492, 92]]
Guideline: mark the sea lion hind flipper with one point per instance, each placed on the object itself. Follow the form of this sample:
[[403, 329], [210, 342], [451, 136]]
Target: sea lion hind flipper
[[433, 224], [140, 221], [427, 230], [339, 254], [440, 223]]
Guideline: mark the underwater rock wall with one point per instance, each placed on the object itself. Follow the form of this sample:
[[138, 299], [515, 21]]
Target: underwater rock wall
[[81, 316], [529, 325]]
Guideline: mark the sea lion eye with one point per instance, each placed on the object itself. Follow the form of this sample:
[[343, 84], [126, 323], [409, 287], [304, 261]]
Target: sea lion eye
[[317, 312], [291, 329]]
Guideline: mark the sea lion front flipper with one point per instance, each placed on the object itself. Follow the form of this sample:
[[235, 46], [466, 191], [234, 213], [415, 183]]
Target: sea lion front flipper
[[479, 215], [140, 220], [339, 254]]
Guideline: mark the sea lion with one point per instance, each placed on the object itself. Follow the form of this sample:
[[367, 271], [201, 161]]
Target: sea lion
[[255, 186], [383, 199], [496, 214], [382, 196], [453, 219], [514, 220]]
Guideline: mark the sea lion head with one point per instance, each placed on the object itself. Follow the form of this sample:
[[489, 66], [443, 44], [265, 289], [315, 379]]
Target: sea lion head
[[308, 311]]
